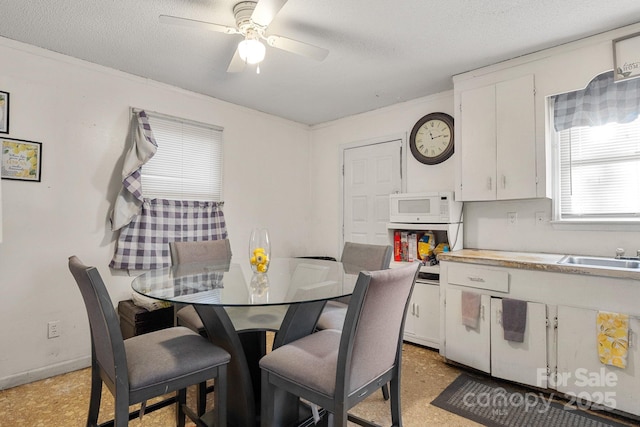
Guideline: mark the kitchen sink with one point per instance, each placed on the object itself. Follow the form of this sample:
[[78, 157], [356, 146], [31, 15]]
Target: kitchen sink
[[598, 262]]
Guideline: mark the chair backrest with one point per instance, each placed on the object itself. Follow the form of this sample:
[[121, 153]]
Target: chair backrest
[[371, 341], [201, 251], [361, 256], [107, 342]]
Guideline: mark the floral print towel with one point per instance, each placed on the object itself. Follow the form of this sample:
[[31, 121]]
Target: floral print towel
[[613, 338]]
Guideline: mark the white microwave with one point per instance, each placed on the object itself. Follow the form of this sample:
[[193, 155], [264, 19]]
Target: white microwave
[[436, 207]]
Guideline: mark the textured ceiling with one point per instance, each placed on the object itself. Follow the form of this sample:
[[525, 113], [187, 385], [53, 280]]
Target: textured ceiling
[[381, 52]]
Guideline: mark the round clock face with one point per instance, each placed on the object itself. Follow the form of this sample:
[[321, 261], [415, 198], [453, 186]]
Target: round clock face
[[431, 139]]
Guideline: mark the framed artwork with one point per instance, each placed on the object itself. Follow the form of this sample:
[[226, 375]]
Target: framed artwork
[[4, 112], [626, 57], [21, 160]]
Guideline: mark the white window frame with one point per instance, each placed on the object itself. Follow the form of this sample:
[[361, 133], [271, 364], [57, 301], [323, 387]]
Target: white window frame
[[189, 174], [587, 223]]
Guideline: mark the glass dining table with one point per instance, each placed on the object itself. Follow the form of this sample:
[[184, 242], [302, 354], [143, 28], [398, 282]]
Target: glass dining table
[[238, 307]]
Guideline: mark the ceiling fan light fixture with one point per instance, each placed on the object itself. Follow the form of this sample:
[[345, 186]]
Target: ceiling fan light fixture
[[251, 51]]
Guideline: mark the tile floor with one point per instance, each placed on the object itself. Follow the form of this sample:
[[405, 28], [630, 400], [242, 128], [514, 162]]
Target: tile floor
[[62, 401]]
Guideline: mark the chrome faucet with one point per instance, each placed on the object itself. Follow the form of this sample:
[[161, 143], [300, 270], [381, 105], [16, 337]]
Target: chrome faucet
[[620, 254]]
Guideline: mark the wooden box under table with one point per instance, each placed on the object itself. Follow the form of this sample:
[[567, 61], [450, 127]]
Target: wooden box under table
[[135, 320]]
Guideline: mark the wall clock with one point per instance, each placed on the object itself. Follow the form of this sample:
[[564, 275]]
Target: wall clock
[[431, 139]]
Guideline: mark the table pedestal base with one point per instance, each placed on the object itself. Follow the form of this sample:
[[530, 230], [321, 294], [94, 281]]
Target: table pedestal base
[[246, 349]]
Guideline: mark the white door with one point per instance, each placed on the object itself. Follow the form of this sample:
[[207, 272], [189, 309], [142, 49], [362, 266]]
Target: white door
[[371, 173], [520, 362]]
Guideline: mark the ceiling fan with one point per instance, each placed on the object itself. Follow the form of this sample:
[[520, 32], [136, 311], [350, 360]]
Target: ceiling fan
[[252, 20]]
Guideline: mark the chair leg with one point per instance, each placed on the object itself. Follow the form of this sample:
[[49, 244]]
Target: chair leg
[[181, 400], [385, 391], [121, 415], [201, 402], [278, 407], [94, 400], [338, 419], [267, 401], [396, 407], [338, 415]]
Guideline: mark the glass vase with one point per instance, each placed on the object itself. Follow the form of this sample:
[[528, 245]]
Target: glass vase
[[259, 289], [259, 250]]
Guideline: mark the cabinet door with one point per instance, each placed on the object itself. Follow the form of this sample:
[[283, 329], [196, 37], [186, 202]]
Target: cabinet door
[[468, 346], [524, 362], [410, 320], [580, 372], [422, 325], [477, 143], [515, 136]]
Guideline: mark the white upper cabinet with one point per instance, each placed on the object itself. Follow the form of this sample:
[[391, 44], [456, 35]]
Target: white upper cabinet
[[496, 141]]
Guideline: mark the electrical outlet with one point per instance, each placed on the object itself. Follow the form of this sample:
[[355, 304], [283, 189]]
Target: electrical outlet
[[53, 329], [512, 218], [540, 218]]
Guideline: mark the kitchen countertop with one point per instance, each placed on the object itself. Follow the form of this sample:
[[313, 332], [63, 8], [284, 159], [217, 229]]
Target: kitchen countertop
[[532, 261]]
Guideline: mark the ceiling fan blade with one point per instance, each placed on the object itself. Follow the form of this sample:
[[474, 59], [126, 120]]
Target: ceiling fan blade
[[185, 22], [297, 47], [266, 10], [237, 64]]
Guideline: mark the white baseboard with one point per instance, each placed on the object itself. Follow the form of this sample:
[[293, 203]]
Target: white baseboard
[[45, 372]]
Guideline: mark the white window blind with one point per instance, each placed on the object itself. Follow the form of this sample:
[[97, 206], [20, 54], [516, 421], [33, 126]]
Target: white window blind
[[600, 172], [188, 162]]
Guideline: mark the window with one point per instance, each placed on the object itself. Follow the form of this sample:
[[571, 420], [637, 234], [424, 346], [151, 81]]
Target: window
[[188, 162], [600, 171], [598, 153]]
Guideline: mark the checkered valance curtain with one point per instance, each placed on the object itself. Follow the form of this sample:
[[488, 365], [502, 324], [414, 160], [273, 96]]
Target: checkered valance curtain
[[602, 101], [144, 243], [148, 225]]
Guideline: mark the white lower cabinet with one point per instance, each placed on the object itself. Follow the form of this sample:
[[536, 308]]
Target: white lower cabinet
[[560, 348], [520, 362], [580, 373], [484, 348], [468, 346], [422, 324]]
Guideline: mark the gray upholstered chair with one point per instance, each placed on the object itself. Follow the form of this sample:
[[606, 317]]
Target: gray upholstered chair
[[336, 370], [144, 366], [201, 251], [356, 257]]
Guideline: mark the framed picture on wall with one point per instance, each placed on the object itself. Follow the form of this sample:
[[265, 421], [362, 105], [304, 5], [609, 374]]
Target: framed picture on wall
[[21, 160], [626, 57], [4, 112]]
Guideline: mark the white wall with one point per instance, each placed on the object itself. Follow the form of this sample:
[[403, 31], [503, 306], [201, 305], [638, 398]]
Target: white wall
[[556, 70], [80, 113], [277, 173], [327, 139], [562, 69]]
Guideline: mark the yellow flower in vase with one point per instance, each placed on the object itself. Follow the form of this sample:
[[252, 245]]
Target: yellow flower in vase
[[259, 250]]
